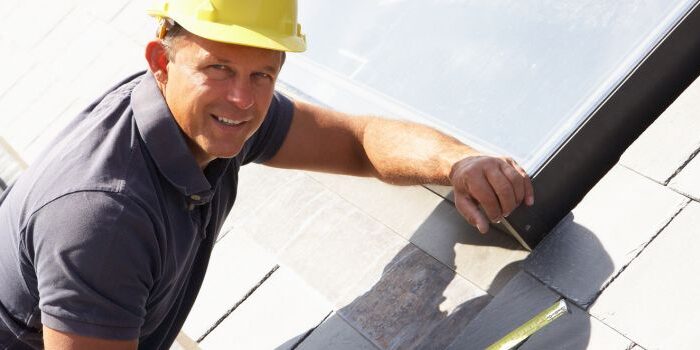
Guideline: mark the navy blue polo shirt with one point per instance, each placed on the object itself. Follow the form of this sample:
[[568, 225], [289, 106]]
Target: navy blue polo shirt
[[109, 234]]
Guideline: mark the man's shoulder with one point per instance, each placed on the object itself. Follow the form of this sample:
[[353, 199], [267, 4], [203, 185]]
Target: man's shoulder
[[100, 151]]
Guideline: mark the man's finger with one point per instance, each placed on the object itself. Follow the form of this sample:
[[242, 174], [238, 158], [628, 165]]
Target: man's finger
[[470, 211], [529, 190], [517, 181], [503, 188], [483, 194]]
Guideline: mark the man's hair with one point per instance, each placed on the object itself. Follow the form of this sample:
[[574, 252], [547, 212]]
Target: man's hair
[[173, 32]]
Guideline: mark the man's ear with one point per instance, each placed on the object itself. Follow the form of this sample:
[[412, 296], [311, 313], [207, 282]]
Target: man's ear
[[158, 60]]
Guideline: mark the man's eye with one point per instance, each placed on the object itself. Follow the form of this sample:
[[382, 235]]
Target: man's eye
[[261, 75], [218, 72]]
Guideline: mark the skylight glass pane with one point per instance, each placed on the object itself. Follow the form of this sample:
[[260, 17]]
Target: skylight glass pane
[[509, 76]]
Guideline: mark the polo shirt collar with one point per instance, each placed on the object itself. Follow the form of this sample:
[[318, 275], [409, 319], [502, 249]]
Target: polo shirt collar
[[166, 143]]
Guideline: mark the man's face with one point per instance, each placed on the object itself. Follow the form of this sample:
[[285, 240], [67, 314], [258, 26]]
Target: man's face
[[219, 93]]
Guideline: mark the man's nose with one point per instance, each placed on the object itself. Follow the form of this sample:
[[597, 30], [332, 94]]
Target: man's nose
[[241, 94]]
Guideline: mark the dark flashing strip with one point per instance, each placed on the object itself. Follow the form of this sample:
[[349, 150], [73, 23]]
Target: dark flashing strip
[[597, 146], [245, 297], [3, 185], [308, 333]]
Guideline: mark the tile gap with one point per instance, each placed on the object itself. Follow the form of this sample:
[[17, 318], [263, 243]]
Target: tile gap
[[66, 16], [119, 12], [362, 334], [632, 342], [606, 285], [680, 168], [245, 297], [687, 195], [18, 80], [451, 200], [308, 333], [641, 174]]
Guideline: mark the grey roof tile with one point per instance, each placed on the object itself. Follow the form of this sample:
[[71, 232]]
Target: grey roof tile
[[418, 303], [237, 264], [335, 333], [668, 143], [45, 14], [433, 225], [654, 301], [576, 330], [330, 243], [610, 226], [520, 300], [277, 316]]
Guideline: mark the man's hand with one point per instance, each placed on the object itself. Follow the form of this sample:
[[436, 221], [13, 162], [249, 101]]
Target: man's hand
[[496, 184]]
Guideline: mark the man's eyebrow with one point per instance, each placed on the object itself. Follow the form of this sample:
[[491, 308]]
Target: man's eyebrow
[[270, 69], [267, 68]]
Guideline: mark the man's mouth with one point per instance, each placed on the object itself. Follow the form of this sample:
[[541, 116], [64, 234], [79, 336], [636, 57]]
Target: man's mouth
[[228, 122]]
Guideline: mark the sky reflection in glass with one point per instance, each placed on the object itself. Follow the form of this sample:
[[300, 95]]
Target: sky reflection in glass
[[511, 76]]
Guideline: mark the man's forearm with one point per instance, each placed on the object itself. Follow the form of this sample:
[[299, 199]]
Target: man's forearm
[[405, 153], [486, 188]]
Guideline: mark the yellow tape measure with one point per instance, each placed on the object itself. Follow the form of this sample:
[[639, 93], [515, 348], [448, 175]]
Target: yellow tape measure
[[541, 320]]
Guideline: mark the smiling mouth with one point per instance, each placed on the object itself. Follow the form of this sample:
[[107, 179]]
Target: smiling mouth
[[226, 121]]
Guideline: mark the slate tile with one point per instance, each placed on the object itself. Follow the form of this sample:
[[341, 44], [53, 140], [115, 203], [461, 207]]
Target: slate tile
[[670, 141], [44, 15], [21, 132], [379, 200], [341, 251], [576, 330], [610, 226], [275, 206], [133, 22], [24, 93], [418, 303], [334, 333], [654, 301], [118, 60], [434, 225], [488, 260], [79, 53], [331, 244], [7, 6], [14, 63], [686, 181], [60, 37], [276, 316], [237, 265], [104, 10], [519, 300]]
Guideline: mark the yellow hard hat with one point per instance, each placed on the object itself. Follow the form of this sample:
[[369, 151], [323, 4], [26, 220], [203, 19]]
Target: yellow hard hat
[[269, 24]]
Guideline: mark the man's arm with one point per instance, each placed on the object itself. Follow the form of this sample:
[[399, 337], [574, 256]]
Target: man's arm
[[56, 340], [404, 153]]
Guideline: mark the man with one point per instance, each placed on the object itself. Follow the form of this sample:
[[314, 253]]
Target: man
[[104, 242]]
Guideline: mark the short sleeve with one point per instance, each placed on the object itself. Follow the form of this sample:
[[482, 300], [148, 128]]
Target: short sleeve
[[95, 258], [265, 143]]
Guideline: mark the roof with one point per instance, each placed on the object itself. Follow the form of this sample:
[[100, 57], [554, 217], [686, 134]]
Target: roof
[[317, 261]]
